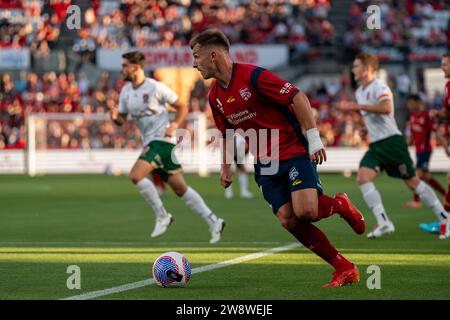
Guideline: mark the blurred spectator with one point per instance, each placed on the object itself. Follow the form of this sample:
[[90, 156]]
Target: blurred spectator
[[130, 23], [32, 23], [403, 22]]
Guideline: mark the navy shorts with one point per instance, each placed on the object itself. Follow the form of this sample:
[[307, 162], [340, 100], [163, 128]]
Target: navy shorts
[[423, 160], [293, 174]]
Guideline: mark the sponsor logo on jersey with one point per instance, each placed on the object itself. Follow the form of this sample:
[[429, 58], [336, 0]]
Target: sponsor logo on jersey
[[231, 99], [245, 93], [145, 98], [296, 182], [219, 105], [286, 88], [293, 173]]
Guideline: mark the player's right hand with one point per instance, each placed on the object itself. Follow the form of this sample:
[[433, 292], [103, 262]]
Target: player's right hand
[[226, 177], [319, 157]]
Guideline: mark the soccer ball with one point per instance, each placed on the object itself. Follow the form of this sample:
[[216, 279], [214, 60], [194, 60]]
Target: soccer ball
[[171, 269]]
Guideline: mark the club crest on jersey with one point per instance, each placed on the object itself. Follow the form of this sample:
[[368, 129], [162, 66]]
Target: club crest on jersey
[[293, 173], [245, 93], [145, 98]]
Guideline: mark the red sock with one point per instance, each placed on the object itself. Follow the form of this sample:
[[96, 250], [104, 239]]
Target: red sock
[[327, 207], [436, 185], [340, 262], [416, 198], [315, 240]]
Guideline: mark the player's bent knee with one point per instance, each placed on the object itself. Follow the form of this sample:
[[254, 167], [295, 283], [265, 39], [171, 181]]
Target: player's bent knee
[[287, 218], [179, 191], [135, 178], [307, 212], [412, 183], [363, 178], [289, 223]]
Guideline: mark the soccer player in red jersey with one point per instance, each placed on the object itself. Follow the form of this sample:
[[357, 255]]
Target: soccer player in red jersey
[[250, 98], [445, 66], [422, 125], [444, 115]]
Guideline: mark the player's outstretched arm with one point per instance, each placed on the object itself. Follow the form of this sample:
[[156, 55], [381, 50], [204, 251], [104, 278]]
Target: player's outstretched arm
[[382, 107], [305, 117], [182, 111]]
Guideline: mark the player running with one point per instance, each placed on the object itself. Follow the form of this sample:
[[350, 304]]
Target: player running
[[387, 149], [251, 98], [444, 116], [145, 100], [421, 126]]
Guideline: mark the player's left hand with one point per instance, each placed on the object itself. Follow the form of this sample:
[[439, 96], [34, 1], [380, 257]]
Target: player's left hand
[[319, 157]]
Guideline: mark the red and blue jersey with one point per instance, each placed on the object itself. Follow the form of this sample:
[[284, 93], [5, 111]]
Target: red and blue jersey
[[422, 125], [258, 99]]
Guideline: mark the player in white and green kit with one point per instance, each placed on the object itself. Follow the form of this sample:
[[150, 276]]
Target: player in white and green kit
[[145, 100], [388, 150]]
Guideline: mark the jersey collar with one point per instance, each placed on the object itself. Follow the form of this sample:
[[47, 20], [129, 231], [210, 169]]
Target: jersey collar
[[233, 71]]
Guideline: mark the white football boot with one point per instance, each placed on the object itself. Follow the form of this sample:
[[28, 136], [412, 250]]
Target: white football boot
[[161, 225], [381, 229], [246, 194], [216, 230], [444, 230]]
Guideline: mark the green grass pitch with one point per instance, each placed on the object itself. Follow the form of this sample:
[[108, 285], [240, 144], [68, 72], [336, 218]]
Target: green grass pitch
[[102, 224]]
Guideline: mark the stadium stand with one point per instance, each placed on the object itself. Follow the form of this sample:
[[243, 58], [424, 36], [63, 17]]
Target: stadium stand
[[309, 28]]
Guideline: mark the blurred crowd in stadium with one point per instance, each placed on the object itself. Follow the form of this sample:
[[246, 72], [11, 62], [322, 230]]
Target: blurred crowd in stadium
[[301, 24]]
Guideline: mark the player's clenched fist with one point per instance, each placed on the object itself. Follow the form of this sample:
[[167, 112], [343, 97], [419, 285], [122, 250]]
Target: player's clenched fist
[[226, 176]]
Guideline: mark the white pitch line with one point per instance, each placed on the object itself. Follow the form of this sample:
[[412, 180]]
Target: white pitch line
[[144, 283], [156, 244]]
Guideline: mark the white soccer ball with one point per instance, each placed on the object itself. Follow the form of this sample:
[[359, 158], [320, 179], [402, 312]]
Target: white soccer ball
[[171, 269]]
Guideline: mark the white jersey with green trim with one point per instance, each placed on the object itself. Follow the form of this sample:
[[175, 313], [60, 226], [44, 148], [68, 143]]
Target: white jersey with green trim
[[147, 106], [380, 126]]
